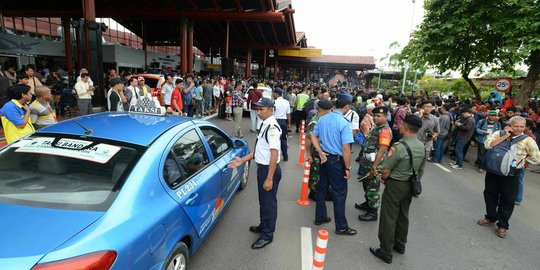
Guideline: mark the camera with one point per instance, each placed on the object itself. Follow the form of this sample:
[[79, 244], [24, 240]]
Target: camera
[[429, 135]]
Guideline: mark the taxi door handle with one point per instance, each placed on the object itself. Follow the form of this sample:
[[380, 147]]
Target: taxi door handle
[[192, 199], [224, 169]]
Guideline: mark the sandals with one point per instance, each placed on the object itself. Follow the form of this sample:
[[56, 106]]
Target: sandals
[[501, 232], [485, 222]]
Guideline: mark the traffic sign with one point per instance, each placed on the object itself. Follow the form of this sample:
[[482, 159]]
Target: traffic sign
[[503, 85]]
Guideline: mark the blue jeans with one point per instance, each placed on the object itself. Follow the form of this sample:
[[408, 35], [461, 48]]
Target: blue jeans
[[439, 149], [460, 150], [207, 104], [519, 195]]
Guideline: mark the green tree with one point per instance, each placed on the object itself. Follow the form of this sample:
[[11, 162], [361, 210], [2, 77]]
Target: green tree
[[457, 35], [518, 25]]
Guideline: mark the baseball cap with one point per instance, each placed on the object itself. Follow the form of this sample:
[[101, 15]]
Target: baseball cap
[[278, 90], [140, 78], [115, 81]]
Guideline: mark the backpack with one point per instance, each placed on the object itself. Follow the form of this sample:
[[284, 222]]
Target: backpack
[[310, 105], [501, 159]]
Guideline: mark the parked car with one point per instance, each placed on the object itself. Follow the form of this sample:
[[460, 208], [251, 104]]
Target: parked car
[[115, 190]]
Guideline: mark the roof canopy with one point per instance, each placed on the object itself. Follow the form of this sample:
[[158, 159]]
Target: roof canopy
[[252, 23]]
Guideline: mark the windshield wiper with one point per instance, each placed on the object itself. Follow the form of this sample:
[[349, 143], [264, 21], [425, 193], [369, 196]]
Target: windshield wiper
[[87, 131]]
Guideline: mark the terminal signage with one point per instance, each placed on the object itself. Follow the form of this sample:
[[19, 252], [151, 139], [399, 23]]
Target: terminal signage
[[302, 52]]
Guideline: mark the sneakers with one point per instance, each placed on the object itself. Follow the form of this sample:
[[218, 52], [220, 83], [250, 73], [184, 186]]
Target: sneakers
[[457, 167]]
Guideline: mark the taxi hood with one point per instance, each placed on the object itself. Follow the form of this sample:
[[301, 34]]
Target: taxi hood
[[29, 233]]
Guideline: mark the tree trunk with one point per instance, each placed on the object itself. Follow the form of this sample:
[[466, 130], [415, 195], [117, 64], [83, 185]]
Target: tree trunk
[[523, 97], [465, 76]]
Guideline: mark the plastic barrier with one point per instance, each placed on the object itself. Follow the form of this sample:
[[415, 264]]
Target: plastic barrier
[[304, 201], [320, 250]]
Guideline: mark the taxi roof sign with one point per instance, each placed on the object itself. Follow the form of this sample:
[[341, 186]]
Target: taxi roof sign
[[148, 105]]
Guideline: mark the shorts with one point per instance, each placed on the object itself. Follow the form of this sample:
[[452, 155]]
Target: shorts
[[228, 108]]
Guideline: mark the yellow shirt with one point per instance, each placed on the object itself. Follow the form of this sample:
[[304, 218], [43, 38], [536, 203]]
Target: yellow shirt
[[13, 110]]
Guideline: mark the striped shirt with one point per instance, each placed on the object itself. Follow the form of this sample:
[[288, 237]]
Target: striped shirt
[[526, 149]]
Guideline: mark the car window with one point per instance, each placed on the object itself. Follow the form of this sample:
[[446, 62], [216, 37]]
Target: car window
[[64, 173], [190, 156], [219, 143], [152, 82]]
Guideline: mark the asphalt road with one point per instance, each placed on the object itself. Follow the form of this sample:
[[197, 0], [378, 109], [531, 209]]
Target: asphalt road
[[443, 233]]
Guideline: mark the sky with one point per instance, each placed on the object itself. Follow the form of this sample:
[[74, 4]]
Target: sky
[[357, 27]]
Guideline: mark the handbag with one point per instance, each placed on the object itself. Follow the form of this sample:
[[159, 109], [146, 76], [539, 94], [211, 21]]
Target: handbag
[[416, 185]]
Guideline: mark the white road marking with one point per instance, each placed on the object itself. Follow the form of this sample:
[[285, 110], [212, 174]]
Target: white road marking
[[307, 248], [442, 167]]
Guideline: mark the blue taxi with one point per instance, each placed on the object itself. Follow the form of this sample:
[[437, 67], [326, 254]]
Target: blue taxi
[[115, 191]]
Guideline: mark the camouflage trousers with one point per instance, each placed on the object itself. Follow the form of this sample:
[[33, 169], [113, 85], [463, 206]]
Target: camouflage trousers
[[371, 185], [314, 174]]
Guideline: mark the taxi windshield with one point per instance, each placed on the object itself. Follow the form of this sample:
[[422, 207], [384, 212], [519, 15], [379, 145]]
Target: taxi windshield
[[64, 173]]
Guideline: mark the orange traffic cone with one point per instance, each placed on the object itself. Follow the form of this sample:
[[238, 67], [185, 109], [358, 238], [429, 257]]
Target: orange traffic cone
[[302, 149], [302, 132], [304, 192], [320, 250]]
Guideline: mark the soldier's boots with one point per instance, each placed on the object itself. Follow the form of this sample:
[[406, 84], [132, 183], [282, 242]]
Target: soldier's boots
[[370, 215], [362, 206]]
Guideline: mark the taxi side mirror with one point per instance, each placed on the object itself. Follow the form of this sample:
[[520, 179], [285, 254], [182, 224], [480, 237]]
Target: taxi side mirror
[[240, 144]]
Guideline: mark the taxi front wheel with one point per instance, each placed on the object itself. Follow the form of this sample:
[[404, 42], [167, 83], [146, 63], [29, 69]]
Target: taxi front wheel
[[179, 258], [245, 176]]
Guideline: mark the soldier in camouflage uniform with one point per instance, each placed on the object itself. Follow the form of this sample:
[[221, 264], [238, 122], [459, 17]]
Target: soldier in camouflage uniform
[[373, 151], [311, 154]]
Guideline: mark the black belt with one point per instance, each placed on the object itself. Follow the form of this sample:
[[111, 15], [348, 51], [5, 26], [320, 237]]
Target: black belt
[[393, 179], [262, 166], [338, 157]]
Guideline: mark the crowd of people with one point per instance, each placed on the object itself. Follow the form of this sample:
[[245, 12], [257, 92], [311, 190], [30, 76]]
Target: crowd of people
[[398, 135]]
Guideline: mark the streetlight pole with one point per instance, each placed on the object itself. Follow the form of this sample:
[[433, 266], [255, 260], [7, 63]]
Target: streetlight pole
[[379, 82], [404, 78]]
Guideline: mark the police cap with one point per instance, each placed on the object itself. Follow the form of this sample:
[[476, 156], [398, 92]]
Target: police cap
[[413, 120], [278, 90], [380, 109], [264, 102]]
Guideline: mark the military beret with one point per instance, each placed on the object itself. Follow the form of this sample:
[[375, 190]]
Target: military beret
[[380, 109], [325, 104], [413, 120]]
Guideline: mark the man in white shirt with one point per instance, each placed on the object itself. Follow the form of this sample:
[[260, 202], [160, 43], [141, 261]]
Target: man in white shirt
[[354, 120], [266, 155], [131, 93], [282, 113], [84, 93], [85, 71], [167, 90]]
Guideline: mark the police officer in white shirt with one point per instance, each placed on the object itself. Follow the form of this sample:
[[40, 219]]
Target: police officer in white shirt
[[267, 155], [282, 113]]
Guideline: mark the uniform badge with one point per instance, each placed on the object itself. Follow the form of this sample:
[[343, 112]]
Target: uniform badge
[[391, 151]]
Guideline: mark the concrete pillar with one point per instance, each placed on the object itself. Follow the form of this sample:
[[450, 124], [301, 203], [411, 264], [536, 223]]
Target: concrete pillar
[[248, 63], [189, 48], [183, 47], [68, 46]]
